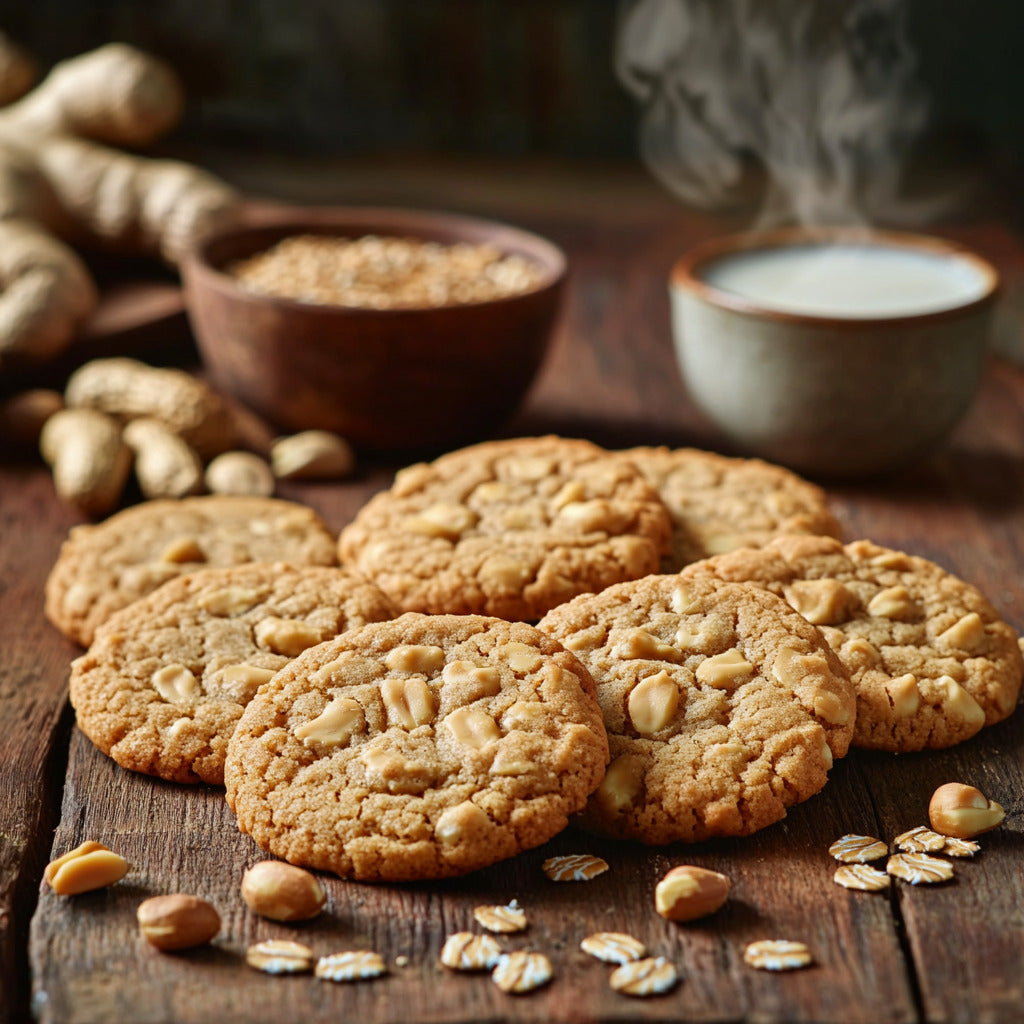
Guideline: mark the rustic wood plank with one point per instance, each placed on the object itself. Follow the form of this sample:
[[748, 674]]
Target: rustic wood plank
[[33, 670]]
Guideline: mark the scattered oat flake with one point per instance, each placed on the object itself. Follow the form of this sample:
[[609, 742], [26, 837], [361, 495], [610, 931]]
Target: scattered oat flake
[[649, 977], [777, 955], [574, 867], [920, 840], [960, 848], [613, 947], [353, 965], [851, 849], [279, 956], [464, 951], [919, 868], [522, 971], [861, 876], [510, 918]]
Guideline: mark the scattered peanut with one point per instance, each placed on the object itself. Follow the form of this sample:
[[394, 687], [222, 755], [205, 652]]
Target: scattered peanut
[[166, 466], [282, 891], [90, 461], [130, 389], [312, 455], [23, 415], [240, 473], [963, 811], [85, 868], [688, 892], [177, 921]]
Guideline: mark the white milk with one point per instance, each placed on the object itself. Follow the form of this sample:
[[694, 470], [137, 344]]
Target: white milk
[[848, 280]]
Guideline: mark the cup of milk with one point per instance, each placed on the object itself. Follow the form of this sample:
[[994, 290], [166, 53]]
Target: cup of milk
[[838, 352]]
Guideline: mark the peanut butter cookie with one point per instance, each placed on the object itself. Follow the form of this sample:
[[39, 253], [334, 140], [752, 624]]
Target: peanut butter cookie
[[167, 678], [931, 660], [103, 567], [723, 706], [508, 528], [718, 503], [424, 747]]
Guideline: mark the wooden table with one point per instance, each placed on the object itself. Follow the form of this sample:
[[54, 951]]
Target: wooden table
[[948, 953]]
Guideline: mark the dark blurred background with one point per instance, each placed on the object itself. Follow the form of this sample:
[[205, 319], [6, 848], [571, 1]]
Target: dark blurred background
[[494, 77]]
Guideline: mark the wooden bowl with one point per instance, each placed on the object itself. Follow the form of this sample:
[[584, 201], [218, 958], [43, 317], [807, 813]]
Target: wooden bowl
[[386, 379]]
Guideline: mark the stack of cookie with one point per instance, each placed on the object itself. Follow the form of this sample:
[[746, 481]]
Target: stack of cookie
[[671, 644]]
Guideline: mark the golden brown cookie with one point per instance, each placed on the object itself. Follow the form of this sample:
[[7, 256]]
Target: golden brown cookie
[[931, 660], [167, 678], [723, 706], [424, 747], [718, 503], [103, 567], [508, 528]]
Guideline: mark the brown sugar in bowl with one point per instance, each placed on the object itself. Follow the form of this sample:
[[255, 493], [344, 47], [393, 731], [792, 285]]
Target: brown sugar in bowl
[[386, 379]]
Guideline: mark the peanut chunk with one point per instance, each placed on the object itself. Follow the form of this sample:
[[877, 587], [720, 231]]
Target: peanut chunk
[[651, 976], [182, 551], [472, 728], [280, 956], [176, 684], [229, 601], [464, 951], [289, 637], [966, 634], [638, 643], [894, 603], [822, 602], [423, 658], [653, 703], [471, 681], [409, 702], [623, 783], [335, 725], [522, 971], [448, 521], [904, 695], [725, 671], [956, 701]]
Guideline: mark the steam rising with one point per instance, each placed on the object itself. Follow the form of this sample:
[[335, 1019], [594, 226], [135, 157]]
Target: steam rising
[[822, 93]]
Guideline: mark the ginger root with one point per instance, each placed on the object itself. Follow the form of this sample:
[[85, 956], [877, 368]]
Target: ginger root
[[60, 186]]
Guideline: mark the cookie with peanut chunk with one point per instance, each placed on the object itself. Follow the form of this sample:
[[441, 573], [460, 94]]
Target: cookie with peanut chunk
[[167, 678], [718, 503], [508, 528], [103, 567], [931, 660], [723, 706], [424, 747]]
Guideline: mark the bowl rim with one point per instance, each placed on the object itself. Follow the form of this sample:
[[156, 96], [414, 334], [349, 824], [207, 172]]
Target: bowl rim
[[397, 221], [685, 273]]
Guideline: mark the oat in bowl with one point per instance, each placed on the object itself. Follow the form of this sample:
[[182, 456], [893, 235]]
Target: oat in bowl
[[421, 330]]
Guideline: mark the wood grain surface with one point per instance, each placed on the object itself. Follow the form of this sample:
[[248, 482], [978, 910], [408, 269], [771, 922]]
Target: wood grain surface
[[949, 953]]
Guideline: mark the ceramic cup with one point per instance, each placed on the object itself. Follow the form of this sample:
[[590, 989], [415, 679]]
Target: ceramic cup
[[834, 367]]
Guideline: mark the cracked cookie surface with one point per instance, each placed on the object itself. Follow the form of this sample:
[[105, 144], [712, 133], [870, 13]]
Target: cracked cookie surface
[[719, 503], [723, 706], [508, 528], [104, 566], [931, 660], [166, 679], [424, 747]]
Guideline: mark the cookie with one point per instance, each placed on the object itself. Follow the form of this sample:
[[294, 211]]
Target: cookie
[[424, 747], [167, 678], [931, 660], [103, 567], [723, 706], [719, 503], [508, 528]]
